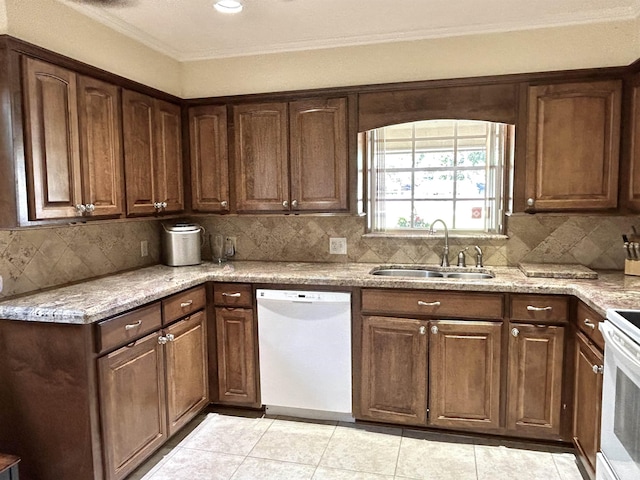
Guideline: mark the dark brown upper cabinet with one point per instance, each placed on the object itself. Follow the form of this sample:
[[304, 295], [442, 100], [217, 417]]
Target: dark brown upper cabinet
[[209, 158], [573, 144], [72, 148], [631, 170], [152, 154], [291, 156]]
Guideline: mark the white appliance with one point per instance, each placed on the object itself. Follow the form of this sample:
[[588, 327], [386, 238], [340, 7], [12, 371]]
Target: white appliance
[[619, 458], [304, 339]]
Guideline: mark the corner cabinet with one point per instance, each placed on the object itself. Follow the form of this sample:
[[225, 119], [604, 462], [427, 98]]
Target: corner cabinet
[[291, 156], [209, 159], [152, 154], [72, 143], [572, 146]]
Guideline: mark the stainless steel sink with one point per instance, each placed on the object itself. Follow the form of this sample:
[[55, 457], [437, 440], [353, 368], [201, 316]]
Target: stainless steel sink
[[423, 273]]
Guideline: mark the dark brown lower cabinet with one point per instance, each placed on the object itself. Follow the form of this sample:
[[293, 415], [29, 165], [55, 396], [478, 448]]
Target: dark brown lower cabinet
[[394, 370], [587, 402], [464, 374], [237, 367], [133, 404], [534, 389]]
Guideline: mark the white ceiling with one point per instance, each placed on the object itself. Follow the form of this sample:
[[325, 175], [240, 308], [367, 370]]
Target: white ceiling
[[193, 30]]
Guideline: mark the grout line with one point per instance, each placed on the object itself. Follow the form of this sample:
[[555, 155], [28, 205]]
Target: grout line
[[335, 427]]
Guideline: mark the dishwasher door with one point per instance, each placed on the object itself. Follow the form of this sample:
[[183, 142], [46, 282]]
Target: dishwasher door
[[304, 341]]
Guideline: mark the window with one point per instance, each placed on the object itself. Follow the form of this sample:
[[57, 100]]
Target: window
[[448, 169]]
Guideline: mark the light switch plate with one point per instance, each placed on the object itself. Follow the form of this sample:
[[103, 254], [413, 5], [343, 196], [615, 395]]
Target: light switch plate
[[338, 246], [144, 248]]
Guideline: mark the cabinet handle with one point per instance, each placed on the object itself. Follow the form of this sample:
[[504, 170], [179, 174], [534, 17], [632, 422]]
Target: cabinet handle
[[589, 323], [80, 209], [434, 329], [530, 202], [531, 308], [131, 326], [236, 295], [285, 204], [423, 330], [162, 340], [186, 304], [224, 204], [598, 369], [428, 304], [294, 203], [170, 337], [515, 332]]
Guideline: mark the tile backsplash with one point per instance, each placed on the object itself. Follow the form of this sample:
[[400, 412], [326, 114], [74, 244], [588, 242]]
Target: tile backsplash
[[37, 258]]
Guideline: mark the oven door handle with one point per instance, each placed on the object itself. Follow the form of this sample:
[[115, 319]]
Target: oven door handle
[[611, 336]]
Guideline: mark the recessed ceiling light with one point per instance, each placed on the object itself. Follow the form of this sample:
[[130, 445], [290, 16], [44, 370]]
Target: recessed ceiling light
[[228, 6]]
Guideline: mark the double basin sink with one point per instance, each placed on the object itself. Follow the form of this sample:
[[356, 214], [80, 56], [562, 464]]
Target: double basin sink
[[431, 272]]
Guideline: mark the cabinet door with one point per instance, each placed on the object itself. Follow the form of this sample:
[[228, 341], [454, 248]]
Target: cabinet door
[[587, 401], [187, 386], [236, 342], [534, 391], [52, 148], [139, 153], [132, 404], [100, 146], [168, 160], [394, 370], [573, 141], [261, 157], [209, 158], [319, 154], [631, 175], [464, 374]]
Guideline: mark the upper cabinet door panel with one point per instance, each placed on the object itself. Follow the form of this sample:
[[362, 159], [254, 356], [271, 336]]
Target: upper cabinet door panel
[[100, 145], [52, 150], [209, 158], [168, 167], [319, 154], [261, 156], [632, 187], [139, 165], [573, 142]]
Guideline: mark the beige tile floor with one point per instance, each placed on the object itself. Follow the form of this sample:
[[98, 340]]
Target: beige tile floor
[[217, 446]]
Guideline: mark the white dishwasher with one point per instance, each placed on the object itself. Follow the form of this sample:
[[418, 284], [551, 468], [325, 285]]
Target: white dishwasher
[[304, 339]]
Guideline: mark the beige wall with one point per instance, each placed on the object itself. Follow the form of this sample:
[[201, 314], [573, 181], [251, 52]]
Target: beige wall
[[582, 46], [4, 22], [56, 27]]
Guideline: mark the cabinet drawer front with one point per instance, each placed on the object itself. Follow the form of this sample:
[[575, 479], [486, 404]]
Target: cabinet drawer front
[[232, 295], [128, 327], [589, 323], [183, 304], [433, 303], [539, 308]]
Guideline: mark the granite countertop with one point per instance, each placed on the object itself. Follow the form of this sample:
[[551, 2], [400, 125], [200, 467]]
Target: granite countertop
[[98, 299]]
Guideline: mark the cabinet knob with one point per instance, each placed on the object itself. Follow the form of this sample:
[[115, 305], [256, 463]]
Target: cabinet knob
[[224, 204], [598, 369], [163, 204], [515, 332], [285, 204], [162, 340], [80, 209], [422, 330], [589, 323], [294, 203], [90, 207], [157, 205], [170, 337], [434, 329], [530, 202]]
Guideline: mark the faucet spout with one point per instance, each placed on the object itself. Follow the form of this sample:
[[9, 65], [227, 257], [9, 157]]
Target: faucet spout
[[445, 254]]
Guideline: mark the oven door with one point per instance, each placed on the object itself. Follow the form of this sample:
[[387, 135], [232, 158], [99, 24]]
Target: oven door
[[620, 440]]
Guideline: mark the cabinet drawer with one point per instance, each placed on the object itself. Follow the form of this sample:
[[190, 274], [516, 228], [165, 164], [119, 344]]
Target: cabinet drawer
[[540, 308], [128, 327], [183, 304], [232, 295], [589, 323], [433, 303]]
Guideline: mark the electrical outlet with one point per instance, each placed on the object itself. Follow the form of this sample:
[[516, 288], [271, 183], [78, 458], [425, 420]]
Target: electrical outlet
[[144, 248], [230, 246], [338, 246], [0, 283]]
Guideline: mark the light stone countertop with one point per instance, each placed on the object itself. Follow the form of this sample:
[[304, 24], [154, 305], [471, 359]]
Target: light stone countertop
[[94, 300]]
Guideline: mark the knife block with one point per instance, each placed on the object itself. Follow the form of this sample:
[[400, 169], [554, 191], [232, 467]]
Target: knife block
[[631, 267]]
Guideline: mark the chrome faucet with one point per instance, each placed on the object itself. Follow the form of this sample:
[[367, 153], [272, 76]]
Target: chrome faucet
[[445, 254], [478, 256]]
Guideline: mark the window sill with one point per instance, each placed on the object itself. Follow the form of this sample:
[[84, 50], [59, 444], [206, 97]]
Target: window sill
[[438, 234]]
